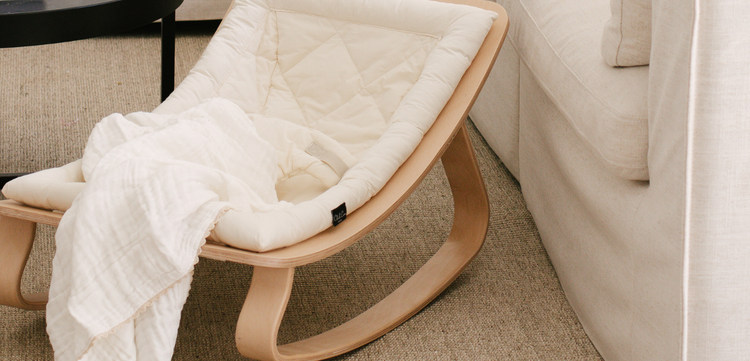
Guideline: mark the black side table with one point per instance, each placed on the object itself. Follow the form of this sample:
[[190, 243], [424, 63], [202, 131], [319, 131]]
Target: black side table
[[36, 22]]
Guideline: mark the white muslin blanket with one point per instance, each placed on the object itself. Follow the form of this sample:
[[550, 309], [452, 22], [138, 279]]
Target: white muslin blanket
[[156, 186]]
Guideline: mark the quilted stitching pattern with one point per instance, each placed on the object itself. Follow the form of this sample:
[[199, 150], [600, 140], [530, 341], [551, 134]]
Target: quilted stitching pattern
[[358, 84], [256, 60]]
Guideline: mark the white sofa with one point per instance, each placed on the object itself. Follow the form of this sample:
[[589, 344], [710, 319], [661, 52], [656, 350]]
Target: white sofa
[[638, 178]]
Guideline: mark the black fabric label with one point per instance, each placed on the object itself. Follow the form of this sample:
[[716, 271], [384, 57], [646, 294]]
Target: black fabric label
[[339, 214]]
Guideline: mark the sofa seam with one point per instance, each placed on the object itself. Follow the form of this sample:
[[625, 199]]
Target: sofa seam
[[240, 55], [689, 169], [619, 43], [622, 167], [567, 115], [354, 22], [576, 127]]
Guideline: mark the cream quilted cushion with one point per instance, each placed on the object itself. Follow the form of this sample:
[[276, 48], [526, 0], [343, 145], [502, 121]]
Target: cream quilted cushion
[[627, 35], [359, 79]]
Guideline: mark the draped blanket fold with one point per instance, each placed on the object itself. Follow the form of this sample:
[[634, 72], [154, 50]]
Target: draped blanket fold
[[156, 186]]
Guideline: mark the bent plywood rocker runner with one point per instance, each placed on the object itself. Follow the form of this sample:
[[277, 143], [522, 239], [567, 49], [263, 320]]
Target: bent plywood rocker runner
[[273, 272]]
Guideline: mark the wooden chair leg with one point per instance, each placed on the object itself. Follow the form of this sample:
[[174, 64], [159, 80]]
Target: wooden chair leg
[[16, 239], [269, 293], [260, 318]]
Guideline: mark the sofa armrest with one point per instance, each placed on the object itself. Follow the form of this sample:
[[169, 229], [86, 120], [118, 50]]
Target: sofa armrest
[[699, 145]]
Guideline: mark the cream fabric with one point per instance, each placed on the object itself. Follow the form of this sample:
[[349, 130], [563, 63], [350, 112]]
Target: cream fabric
[[125, 250], [285, 90], [606, 106], [614, 243], [495, 112], [717, 276], [53, 188], [344, 70], [627, 35], [655, 270], [371, 77]]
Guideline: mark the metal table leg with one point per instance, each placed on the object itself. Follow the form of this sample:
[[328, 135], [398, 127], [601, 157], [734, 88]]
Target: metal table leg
[[167, 55], [167, 72]]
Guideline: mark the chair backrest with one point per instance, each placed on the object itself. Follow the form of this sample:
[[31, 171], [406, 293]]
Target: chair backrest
[[403, 182]]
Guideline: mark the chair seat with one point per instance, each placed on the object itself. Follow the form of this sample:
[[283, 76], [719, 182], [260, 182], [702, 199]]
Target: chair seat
[[261, 315], [364, 86]]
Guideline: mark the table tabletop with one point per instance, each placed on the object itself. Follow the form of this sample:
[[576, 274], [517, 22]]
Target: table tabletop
[[26, 6], [35, 22]]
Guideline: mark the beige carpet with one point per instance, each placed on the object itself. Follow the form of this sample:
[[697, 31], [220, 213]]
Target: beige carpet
[[508, 304]]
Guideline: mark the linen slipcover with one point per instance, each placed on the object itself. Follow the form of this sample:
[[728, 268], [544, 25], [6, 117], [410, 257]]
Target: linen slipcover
[[627, 35], [561, 45], [655, 270]]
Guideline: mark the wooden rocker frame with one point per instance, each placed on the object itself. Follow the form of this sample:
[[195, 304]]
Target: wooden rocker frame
[[273, 271]]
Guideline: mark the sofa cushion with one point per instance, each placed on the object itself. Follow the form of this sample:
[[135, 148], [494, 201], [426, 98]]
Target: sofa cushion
[[627, 35], [560, 43]]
